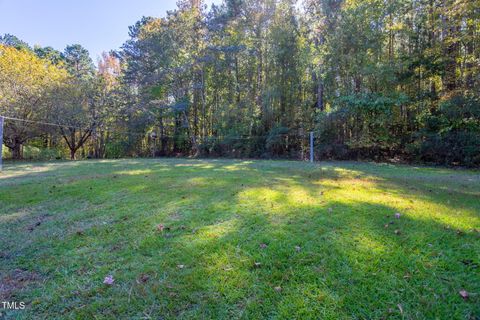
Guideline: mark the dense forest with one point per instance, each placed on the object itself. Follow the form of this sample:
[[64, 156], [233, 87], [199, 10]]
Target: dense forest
[[373, 79]]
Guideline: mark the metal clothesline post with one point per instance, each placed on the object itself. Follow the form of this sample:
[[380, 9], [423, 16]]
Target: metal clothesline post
[[1, 142], [311, 146]]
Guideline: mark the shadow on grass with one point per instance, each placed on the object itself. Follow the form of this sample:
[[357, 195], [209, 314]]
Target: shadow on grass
[[330, 252]]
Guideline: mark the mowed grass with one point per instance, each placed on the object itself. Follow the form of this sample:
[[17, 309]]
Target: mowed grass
[[241, 240]]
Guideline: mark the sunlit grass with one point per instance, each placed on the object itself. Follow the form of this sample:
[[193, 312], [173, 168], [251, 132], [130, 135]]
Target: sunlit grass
[[241, 239]]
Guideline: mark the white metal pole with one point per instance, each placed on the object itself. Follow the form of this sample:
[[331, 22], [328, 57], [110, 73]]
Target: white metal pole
[[1, 141], [311, 146]]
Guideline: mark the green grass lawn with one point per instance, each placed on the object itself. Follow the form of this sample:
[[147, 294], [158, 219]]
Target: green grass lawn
[[241, 239]]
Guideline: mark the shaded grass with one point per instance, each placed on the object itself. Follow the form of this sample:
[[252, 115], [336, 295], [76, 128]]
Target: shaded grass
[[328, 251]]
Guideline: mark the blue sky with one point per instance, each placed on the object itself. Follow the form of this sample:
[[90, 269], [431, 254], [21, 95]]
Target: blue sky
[[98, 25]]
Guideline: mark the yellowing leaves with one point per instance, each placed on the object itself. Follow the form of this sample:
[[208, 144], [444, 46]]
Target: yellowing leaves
[[26, 80]]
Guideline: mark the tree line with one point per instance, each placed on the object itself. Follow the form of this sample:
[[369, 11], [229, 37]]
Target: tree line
[[374, 79]]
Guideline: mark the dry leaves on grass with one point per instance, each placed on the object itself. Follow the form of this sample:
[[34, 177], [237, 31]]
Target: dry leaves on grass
[[109, 280], [15, 281], [400, 308], [464, 294], [143, 278]]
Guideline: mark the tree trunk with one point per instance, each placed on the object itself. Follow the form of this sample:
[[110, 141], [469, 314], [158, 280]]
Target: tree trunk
[[237, 81], [73, 144], [17, 151], [470, 51], [450, 49], [204, 107], [163, 139], [451, 67], [178, 121], [192, 136], [72, 154], [358, 84], [320, 103]]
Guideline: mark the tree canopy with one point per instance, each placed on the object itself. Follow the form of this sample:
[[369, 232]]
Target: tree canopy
[[250, 78]]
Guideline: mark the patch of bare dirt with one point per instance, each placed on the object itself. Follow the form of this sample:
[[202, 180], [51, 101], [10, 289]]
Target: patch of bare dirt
[[15, 281], [38, 221]]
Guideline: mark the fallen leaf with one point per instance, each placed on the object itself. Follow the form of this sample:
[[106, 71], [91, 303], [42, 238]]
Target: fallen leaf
[[109, 280], [464, 294], [400, 308], [144, 278]]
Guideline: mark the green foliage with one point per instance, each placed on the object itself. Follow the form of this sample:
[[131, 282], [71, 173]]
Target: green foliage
[[117, 149], [277, 140], [374, 79], [452, 133], [49, 53], [362, 125], [12, 41], [358, 72], [78, 62], [5, 152], [43, 154]]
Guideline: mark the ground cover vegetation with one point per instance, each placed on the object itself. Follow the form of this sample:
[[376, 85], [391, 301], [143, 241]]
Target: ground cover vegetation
[[229, 239]]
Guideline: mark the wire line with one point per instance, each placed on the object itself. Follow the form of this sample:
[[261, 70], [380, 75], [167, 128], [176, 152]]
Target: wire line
[[144, 134]]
